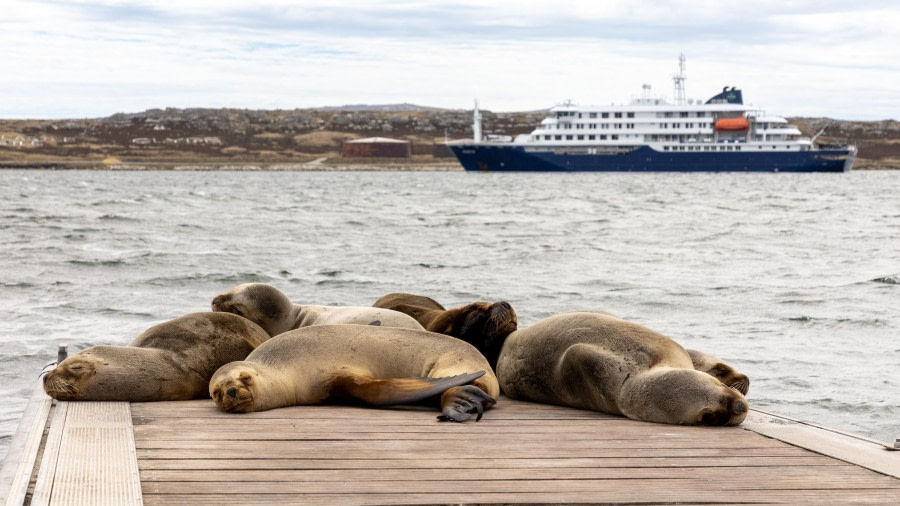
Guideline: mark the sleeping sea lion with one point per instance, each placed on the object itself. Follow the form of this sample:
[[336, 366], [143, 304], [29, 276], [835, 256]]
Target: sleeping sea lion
[[482, 324], [603, 363], [272, 310], [376, 365], [170, 361]]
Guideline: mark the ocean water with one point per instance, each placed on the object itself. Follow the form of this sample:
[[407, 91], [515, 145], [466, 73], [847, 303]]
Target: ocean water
[[793, 278]]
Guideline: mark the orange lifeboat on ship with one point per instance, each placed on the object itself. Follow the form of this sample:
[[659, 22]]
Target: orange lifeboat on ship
[[732, 124]]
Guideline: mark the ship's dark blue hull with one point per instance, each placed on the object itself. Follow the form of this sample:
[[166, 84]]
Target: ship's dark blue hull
[[507, 158]]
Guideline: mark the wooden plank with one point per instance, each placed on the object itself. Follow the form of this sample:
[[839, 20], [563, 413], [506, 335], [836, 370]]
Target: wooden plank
[[171, 438], [711, 474], [482, 463], [95, 461], [856, 450], [43, 486], [675, 487], [629, 493], [19, 464]]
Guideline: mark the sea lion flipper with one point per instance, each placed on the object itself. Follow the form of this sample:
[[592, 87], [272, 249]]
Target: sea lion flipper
[[393, 391], [458, 404]]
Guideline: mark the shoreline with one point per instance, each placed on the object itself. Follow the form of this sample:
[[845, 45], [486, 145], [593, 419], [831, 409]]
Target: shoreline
[[321, 164]]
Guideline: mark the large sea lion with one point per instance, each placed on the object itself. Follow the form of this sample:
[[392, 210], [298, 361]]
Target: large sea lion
[[170, 361], [376, 365], [272, 310], [603, 363], [484, 325]]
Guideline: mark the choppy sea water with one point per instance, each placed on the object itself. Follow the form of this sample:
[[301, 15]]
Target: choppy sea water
[[793, 278]]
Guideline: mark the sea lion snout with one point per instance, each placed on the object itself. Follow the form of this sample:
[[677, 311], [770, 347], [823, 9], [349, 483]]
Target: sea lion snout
[[740, 407], [232, 392]]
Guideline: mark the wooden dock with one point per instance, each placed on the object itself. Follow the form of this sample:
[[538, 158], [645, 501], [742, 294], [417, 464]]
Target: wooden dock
[[190, 453]]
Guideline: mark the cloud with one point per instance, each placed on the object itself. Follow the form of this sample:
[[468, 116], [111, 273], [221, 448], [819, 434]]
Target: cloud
[[522, 55]]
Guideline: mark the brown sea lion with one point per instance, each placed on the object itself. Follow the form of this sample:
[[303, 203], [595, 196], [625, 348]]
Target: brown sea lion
[[482, 324], [721, 370], [603, 363], [272, 310], [376, 365], [170, 361]]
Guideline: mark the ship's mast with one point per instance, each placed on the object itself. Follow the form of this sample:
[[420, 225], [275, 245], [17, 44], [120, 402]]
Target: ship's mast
[[476, 123], [679, 81]]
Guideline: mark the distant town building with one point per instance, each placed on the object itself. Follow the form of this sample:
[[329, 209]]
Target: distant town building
[[142, 141], [376, 147]]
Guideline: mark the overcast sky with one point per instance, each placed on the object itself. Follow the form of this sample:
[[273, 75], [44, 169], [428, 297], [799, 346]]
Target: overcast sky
[[92, 58]]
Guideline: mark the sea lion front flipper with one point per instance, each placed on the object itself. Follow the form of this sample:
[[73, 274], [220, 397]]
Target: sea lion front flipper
[[393, 391], [458, 404]]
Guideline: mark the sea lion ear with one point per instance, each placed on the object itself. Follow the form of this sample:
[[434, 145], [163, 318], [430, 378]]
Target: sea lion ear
[[394, 391]]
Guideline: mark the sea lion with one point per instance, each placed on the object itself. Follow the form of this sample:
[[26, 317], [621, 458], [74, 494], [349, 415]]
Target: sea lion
[[376, 365], [272, 310], [721, 370], [603, 363], [484, 325], [170, 361]]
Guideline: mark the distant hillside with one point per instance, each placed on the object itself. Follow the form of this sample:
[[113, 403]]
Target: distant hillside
[[404, 107], [235, 136]]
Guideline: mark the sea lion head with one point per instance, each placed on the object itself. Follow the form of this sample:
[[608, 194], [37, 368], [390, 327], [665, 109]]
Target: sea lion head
[[235, 387], [484, 325], [720, 370], [683, 396], [69, 380], [260, 303]]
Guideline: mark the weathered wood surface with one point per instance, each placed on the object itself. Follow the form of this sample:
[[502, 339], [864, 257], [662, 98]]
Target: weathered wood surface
[[89, 457], [188, 452]]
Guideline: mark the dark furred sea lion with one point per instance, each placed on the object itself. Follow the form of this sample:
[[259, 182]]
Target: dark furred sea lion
[[272, 310], [484, 325], [376, 365], [170, 361], [603, 363]]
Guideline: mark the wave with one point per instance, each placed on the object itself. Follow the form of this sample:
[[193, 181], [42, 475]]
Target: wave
[[888, 280], [116, 217], [215, 278]]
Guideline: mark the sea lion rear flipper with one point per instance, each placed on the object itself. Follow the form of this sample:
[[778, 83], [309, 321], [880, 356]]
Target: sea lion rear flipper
[[393, 391], [459, 403]]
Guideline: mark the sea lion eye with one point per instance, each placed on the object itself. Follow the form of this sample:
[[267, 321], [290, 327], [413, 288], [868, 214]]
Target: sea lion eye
[[76, 367]]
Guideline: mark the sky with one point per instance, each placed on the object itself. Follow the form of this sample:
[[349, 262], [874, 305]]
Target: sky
[[93, 58]]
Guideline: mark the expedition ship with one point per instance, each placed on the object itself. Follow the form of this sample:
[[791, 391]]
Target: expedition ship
[[652, 135]]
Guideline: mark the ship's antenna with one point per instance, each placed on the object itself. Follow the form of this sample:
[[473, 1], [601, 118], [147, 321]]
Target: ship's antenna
[[476, 123], [679, 81]]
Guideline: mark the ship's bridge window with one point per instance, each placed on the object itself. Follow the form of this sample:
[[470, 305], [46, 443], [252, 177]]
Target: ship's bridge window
[[701, 114], [602, 137], [592, 115], [665, 148], [683, 114], [592, 137], [581, 137], [618, 115], [557, 137], [592, 126], [568, 137], [604, 115], [630, 114], [614, 137], [547, 137], [668, 114]]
